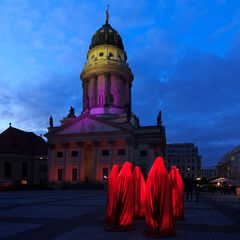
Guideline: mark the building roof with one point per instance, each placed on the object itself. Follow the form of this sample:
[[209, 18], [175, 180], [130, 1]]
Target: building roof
[[17, 141], [106, 35]]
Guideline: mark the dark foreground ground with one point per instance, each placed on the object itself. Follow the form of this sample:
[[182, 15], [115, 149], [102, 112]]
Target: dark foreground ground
[[80, 215]]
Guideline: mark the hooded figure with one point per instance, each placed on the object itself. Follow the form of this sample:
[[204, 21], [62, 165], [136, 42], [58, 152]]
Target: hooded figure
[[159, 211], [139, 193], [125, 198], [177, 193], [112, 195]]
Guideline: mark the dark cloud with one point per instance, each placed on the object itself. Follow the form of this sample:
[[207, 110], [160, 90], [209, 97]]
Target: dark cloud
[[199, 98]]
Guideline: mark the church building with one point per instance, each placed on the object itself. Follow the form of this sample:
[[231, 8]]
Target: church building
[[84, 148]]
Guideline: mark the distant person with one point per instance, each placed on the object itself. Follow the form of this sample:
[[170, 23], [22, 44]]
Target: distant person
[[197, 192], [189, 185]]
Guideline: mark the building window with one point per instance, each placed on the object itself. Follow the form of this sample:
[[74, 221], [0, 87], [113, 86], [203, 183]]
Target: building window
[[59, 154], [74, 153], [105, 173], [143, 153], [24, 170], [121, 152], [59, 174], [7, 169], [74, 174], [105, 152]]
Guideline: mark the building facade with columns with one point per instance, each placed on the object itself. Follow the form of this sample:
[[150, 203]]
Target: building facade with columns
[[84, 148]]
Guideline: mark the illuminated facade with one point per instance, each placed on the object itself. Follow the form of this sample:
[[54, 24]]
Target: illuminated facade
[[84, 148]]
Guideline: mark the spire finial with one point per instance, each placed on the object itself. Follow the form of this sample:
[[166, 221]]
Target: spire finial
[[107, 14]]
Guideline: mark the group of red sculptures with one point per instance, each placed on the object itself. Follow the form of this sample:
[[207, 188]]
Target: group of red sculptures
[[160, 200]]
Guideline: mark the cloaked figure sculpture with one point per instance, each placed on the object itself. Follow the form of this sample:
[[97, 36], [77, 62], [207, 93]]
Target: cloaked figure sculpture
[[123, 213], [159, 210], [177, 193], [112, 196], [139, 193]]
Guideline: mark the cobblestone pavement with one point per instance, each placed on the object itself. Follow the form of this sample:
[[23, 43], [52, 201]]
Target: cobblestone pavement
[[60, 215]]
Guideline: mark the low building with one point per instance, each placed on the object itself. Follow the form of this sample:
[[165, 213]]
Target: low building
[[23, 157], [229, 165], [185, 157], [209, 172]]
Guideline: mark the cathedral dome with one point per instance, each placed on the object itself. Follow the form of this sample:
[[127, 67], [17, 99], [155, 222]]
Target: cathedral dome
[[106, 35]]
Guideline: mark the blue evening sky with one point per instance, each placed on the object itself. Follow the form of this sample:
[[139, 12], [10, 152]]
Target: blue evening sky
[[185, 56]]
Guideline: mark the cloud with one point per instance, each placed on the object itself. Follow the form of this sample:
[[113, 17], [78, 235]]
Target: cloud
[[200, 98], [171, 52]]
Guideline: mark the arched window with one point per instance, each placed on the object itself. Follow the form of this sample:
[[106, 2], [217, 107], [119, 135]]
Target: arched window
[[7, 169]]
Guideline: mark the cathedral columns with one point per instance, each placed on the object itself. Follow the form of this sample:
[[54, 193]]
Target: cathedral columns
[[95, 160], [95, 90], [66, 162], [80, 176], [107, 77], [112, 155]]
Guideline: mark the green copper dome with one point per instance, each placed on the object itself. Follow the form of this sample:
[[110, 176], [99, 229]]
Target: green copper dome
[[106, 35]]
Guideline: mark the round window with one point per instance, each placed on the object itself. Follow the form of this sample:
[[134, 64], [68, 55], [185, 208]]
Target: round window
[[100, 54]]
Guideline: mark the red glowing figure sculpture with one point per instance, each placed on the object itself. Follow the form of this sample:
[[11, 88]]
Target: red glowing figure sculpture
[[139, 189], [159, 211], [112, 195], [125, 198], [177, 193]]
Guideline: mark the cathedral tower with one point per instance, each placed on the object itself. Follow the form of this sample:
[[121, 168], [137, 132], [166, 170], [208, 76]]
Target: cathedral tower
[[83, 148], [106, 76]]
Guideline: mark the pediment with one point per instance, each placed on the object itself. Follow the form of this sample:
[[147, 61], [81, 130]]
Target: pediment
[[87, 125]]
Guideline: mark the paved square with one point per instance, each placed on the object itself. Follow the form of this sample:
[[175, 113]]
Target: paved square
[[60, 215]]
